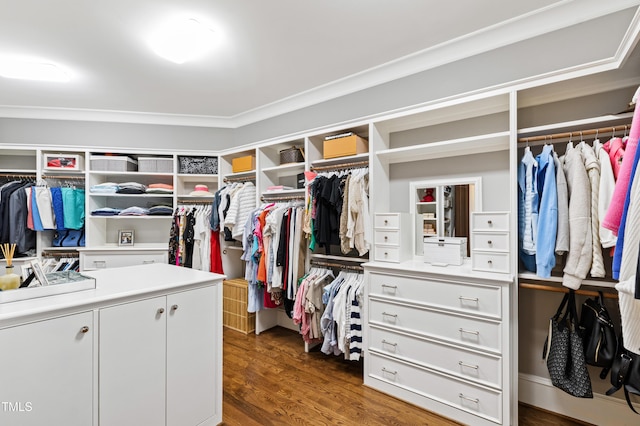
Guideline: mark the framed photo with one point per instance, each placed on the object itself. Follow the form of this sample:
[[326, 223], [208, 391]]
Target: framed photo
[[38, 271], [125, 237]]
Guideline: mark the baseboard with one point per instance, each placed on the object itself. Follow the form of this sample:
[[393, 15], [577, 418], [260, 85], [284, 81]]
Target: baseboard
[[601, 410]]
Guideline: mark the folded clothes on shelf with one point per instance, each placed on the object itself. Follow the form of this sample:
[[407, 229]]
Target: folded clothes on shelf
[[104, 188], [161, 211], [105, 211], [131, 188], [134, 211]]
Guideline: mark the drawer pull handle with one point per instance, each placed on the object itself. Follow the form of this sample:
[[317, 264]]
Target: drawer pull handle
[[386, 238], [100, 263], [386, 222], [469, 299], [490, 262], [489, 242], [475, 333], [160, 311], [489, 222], [386, 254], [474, 400], [392, 287], [384, 370], [384, 342], [147, 262], [84, 329], [386, 314], [462, 364], [174, 307]]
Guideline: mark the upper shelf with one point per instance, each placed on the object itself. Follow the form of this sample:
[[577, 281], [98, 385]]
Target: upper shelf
[[448, 148], [577, 125]]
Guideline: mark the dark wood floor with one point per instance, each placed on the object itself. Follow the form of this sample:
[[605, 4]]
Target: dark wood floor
[[270, 380]]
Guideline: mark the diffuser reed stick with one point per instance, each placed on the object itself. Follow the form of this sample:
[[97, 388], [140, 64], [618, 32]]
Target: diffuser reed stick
[[7, 251]]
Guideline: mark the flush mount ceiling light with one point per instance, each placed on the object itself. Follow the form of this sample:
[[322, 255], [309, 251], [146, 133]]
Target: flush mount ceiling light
[[32, 70], [184, 40]]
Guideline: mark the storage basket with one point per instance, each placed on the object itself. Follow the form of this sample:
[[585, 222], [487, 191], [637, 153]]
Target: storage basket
[[234, 306], [198, 165], [295, 154]]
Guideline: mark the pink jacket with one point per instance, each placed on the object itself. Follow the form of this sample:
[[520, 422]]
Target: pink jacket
[[614, 214], [615, 149]]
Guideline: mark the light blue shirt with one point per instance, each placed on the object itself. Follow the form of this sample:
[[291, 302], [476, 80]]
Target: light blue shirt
[[547, 213]]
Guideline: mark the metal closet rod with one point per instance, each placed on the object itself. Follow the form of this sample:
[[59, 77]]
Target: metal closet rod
[[589, 293], [580, 133], [64, 177], [283, 198], [240, 179], [336, 265], [190, 202], [341, 166]]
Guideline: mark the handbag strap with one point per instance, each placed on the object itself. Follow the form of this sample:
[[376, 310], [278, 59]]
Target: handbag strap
[[625, 363], [628, 398]]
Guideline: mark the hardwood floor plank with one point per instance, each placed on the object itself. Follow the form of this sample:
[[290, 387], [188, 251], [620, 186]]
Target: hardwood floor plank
[[270, 380]]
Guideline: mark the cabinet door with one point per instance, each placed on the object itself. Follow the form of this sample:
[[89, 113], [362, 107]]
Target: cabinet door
[[192, 330], [46, 373], [132, 363]]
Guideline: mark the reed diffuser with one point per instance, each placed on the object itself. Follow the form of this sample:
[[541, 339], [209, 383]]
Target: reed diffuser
[[9, 280]]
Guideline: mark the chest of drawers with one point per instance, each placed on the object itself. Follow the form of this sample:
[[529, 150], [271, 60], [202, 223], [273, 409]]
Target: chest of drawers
[[490, 241], [439, 338], [392, 237]]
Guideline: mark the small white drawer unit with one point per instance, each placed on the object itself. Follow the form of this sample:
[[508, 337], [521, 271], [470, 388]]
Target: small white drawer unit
[[392, 237], [490, 242]]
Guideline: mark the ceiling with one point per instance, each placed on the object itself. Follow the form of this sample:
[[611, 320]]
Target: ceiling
[[275, 56]]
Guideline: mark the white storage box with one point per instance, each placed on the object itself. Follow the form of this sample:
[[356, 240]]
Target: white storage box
[[108, 163], [155, 165], [63, 162], [445, 250]]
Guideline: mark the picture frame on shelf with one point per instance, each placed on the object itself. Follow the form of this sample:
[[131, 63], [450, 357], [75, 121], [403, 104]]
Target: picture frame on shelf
[[125, 237]]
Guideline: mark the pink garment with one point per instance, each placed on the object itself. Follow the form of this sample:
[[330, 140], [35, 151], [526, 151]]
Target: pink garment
[[614, 214], [615, 149]]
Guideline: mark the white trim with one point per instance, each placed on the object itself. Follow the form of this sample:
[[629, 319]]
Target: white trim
[[533, 24], [601, 410]]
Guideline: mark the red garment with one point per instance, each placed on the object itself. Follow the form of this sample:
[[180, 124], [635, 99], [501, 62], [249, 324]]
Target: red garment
[[29, 211], [216, 255], [264, 250]]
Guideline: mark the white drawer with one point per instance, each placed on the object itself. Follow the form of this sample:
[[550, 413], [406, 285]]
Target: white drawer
[[387, 253], [490, 221], [92, 261], [490, 261], [490, 241], [454, 392], [387, 220], [472, 365], [484, 334], [463, 297], [387, 237]]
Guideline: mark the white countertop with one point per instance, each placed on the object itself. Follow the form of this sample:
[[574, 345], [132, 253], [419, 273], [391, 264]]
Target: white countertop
[[112, 285], [450, 271]]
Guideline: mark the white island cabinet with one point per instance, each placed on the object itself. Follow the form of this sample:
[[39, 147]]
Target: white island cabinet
[[144, 347]]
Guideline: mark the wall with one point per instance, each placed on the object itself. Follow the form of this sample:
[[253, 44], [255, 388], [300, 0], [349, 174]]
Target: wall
[[112, 135]]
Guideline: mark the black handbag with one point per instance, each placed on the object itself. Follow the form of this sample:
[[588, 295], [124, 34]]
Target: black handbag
[[564, 351], [625, 373], [598, 333]]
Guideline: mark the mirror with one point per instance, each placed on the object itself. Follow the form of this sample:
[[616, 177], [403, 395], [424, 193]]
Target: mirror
[[443, 207]]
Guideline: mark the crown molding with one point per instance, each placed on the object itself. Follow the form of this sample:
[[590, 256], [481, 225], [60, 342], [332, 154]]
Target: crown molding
[[536, 23]]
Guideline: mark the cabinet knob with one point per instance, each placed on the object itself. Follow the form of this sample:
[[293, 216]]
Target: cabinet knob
[[489, 262], [386, 238], [174, 307], [489, 222], [386, 254], [489, 242], [160, 311], [84, 329], [386, 222]]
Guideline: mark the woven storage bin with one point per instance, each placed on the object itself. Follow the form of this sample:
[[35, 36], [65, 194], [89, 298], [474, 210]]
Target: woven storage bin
[[234, 306], [294, 154], [198, 165]]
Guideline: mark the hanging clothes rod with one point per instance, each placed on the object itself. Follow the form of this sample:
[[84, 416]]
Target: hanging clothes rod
[[19, 175], [589, 293], [336, 265], [64, 177], [341, 166], [60, 253], [581, 133], [240, 179], [267, 198], [186, 203]]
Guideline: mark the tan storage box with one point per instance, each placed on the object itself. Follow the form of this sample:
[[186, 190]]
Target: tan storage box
[[342, 147], [243, 164], [234, 306]]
